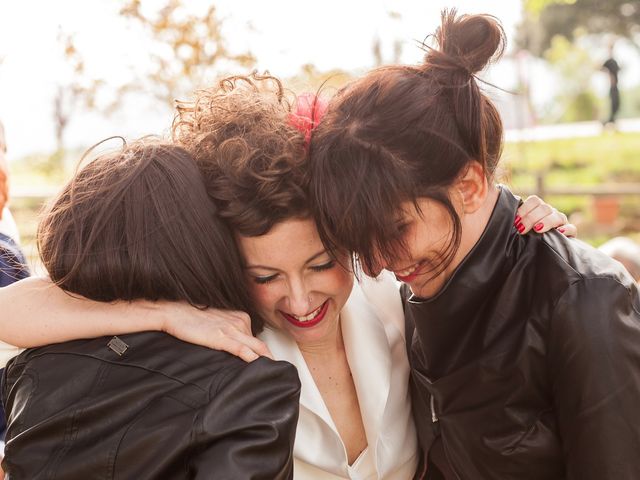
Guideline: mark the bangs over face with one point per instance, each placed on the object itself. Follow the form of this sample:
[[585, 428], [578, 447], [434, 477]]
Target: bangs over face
[[361, 173], [402, 133]]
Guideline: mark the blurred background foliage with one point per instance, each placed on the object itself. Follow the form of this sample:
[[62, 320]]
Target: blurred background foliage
[[566, 18]]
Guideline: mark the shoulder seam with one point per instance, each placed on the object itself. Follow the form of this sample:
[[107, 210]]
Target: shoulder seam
[[557, 254], [112, 363], [583, 279]]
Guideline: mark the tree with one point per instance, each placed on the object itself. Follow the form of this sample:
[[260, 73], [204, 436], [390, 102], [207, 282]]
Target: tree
[[74, 89], [534, 7], [185, 49], [574, 101], [189, 49], [310, 79], [377, 46], [548, 18]]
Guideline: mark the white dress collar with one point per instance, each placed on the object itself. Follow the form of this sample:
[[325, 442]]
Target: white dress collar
[[373, 334]]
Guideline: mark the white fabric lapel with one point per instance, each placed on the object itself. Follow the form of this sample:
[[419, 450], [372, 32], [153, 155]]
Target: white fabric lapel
[[369, 358], [318, 446], [285, 348], [373, 329]]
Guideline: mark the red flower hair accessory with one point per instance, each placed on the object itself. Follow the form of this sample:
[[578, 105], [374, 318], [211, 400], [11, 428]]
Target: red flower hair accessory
[[309, 110]]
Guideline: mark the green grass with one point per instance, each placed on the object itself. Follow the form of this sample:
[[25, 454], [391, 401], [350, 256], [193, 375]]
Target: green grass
[[610, 157]]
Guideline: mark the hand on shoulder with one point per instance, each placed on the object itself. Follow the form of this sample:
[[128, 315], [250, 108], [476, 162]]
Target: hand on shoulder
[[225, 330]]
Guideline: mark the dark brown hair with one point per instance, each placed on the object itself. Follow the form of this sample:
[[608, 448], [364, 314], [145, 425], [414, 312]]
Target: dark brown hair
[[405, 132], [250, 155], [138, 224]]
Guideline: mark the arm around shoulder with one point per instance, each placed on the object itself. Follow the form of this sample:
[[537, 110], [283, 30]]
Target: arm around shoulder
[[594, 363], [249, 426], [37, 312]]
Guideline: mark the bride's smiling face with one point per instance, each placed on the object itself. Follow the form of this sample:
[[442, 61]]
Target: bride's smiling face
[[296, 285]]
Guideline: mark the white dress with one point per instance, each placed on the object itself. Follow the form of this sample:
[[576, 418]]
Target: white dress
[[373, 333]]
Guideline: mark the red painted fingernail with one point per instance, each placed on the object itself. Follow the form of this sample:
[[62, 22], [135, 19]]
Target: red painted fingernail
[[538, 226], [517, 220], [561, 230], [520, 227]]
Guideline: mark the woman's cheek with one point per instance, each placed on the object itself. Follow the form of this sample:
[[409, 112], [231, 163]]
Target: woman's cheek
[[345, 279], [263, 298], [340, 283]]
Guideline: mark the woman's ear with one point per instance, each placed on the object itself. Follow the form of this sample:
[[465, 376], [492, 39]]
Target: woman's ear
[[472, 187]]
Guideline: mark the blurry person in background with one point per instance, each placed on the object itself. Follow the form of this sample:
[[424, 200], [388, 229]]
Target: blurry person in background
[[4, 172], [138, 224], [13, 265], [626, 251], [612, 68], [7, 224]]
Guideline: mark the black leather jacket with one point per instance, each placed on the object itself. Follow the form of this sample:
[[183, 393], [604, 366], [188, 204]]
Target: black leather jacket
[[163, 409], [527, 363]]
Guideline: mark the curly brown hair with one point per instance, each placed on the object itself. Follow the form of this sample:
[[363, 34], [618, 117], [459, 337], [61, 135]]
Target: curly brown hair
[[250, 155]]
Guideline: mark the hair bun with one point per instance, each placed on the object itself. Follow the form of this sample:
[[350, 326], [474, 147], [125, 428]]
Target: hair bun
[[467, 42]]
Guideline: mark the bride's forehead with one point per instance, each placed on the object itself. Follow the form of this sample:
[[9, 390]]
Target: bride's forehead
[[291, 240]]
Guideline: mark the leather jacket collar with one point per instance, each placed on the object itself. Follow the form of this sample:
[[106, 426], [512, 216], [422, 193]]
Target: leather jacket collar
[[526, 362], [452, 313]]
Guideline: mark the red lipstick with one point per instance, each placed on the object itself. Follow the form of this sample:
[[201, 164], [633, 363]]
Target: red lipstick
[[412, 276], [294, 321]]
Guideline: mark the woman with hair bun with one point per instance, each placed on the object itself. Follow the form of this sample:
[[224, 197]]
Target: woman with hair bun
[[525, 359]]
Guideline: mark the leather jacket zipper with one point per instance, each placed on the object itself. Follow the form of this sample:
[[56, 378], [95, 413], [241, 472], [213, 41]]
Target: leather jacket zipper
[[434, 417]]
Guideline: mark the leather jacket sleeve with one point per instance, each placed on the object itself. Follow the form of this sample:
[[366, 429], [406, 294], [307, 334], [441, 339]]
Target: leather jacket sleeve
[[248, 430], [594, 354]]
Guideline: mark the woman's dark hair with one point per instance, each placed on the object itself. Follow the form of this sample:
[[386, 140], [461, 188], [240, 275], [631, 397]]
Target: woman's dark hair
[[250, 154], [405, 132], [138, 224]]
